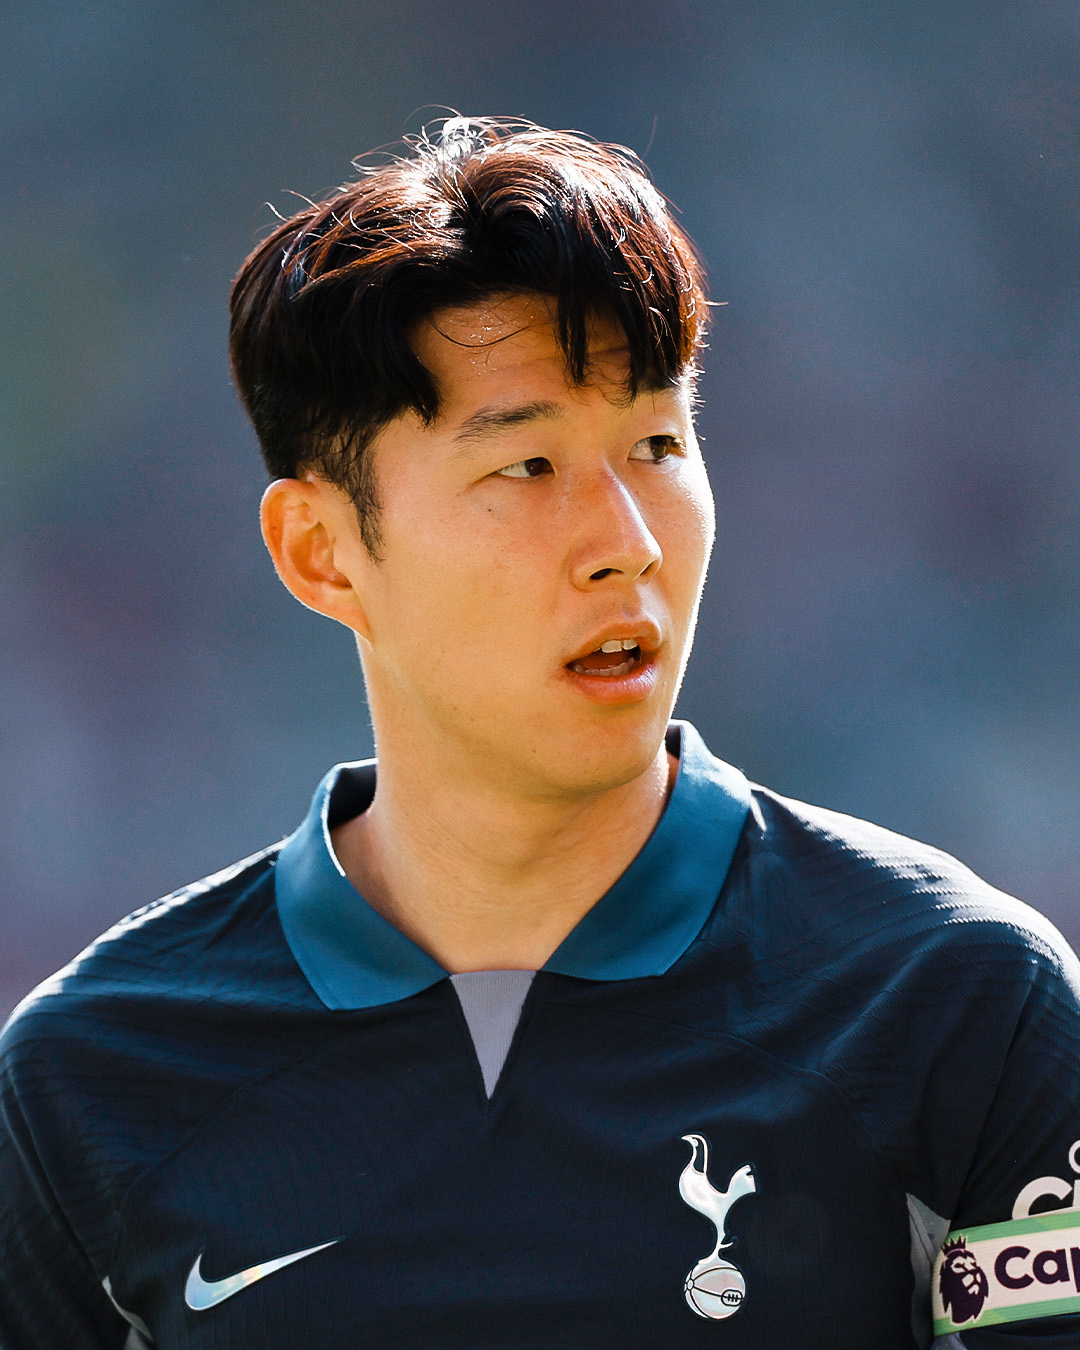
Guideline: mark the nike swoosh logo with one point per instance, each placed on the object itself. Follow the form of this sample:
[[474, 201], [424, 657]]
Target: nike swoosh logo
[[201, 1294]]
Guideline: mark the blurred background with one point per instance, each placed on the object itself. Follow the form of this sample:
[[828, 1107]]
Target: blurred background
[[886, 195]]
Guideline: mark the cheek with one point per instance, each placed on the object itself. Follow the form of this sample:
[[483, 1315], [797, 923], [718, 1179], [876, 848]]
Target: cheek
[[689, 530], [454, 583], [703, 507]]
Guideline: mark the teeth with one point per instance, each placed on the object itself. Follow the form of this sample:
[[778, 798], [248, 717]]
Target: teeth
[[619, 645]]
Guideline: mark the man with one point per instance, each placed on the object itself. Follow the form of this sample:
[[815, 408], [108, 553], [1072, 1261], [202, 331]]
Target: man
[[549, 1030]]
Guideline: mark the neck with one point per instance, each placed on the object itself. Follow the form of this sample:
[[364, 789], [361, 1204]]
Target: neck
[[482, 878]]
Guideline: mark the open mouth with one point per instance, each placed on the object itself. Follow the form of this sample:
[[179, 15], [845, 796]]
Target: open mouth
[[619, 656]]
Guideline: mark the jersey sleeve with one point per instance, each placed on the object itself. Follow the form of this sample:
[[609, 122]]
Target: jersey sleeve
[[1001, 1108], [960, 1054], [49, 1292], [1025, 1171]]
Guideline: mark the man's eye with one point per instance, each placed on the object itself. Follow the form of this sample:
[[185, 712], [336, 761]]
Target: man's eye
[[655, 449], [526, 468]]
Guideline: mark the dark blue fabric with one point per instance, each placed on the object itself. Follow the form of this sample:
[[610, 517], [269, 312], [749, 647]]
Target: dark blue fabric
[[858, 1019]]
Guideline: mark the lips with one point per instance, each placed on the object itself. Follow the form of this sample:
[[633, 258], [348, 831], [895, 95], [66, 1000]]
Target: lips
[[618, 665], [617, 656]]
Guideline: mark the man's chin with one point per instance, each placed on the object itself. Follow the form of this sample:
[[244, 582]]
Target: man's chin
[[590, 756]]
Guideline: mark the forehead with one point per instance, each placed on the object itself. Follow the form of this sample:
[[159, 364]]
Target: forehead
[[508, 345]]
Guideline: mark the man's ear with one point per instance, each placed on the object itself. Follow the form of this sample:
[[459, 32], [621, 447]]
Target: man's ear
[[313, 534]]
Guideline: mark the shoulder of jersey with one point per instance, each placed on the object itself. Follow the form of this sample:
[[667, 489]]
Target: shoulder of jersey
[[118, 1058], [845, 882], [215, 942]]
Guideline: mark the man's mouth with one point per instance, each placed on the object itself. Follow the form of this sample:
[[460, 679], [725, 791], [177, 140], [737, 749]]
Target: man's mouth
[[618, 656]]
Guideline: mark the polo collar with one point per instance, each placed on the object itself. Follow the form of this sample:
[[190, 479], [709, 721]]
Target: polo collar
[[353, 958]]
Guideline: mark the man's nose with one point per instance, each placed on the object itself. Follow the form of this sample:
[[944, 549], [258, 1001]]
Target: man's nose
[[614, 539]]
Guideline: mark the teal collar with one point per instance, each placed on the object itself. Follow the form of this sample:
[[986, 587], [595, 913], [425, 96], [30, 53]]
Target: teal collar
[[354, 958]]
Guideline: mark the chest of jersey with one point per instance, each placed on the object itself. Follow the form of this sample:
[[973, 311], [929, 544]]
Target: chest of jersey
[[631, 1182]]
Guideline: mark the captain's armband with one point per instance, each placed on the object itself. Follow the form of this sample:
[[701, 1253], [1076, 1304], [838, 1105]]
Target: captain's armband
[[1007, 1272]]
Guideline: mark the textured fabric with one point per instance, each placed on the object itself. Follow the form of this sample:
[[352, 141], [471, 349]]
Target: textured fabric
[[859, 1020], [491, 1001]]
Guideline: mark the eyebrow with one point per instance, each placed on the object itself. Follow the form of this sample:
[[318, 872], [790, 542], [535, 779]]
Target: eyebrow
[[490, 421]]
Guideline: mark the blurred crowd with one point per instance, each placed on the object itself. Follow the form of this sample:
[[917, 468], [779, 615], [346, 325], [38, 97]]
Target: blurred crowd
[[886, 197]]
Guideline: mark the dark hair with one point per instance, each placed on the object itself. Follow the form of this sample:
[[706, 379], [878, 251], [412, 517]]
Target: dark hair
[[323, 308]]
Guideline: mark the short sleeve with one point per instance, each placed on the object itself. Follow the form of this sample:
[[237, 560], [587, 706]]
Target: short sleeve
[[1026, 1158]]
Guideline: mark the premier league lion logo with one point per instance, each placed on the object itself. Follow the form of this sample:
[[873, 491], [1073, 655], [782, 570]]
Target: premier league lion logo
[[963, 1283]]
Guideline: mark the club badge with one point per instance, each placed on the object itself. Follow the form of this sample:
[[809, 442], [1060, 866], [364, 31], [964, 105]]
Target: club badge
[[715, 1287]]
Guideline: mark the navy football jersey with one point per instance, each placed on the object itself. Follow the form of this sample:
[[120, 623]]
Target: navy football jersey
[[794, 1081]]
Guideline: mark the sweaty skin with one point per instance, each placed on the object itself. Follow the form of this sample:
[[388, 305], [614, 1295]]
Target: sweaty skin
[[521, 766]]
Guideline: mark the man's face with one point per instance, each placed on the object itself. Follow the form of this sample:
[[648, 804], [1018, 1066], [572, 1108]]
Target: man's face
[[533, 526]]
